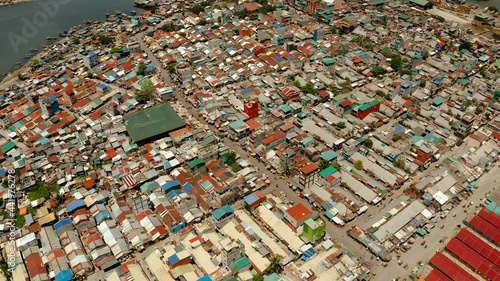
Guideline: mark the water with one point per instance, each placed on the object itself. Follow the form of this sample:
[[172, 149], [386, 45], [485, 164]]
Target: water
[[26, 25], [483, 4]]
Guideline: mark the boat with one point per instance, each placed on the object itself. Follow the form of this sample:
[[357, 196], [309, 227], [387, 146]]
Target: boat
[[17, 62], [33, 50], [62, 35], [133, 13], [28, 56], [50, 38]]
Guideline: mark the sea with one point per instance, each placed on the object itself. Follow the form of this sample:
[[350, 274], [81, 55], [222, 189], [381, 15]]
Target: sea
[[26, 25]]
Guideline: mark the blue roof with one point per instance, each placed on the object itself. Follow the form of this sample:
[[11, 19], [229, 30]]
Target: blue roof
[[62, 223], [75, 205], [2, 172], [53, 99], [329, 155], [102, 86], [170, 185], [219, 213], [247, 91], [309, 253], [173, 260], [438, 101], [205, 278], [397, 129], [92, 54], [150, 67], [187, 187], [167, 165], [101, 216], [65, 275], [251, 198], [173, 194]]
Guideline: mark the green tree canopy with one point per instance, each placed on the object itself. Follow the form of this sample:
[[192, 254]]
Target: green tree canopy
[[358, 165]]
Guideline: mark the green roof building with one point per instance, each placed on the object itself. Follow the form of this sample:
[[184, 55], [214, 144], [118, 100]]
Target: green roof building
[[314, 229], [153, 123], [422, 4]]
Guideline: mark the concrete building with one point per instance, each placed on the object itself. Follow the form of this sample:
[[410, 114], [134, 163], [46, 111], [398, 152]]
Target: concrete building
[[90, 59], [297, 215], [314, 229], [309, 174], [231, 250]]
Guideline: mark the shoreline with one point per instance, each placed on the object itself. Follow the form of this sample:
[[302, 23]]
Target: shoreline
[[16, 2], [12, 76]]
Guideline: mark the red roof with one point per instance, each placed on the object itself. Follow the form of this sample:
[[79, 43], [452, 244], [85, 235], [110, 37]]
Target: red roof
[[345, 103], [309, 168], [496, 135], [449, 268], [274, 137], [299, 212]]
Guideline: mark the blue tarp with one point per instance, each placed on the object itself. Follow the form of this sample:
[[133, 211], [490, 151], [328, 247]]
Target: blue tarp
[[309, 253], [173, 194], [173, 260], [167, 165], [75, 205], [2, 172], [65, 275], [62, 223], [247, 91]]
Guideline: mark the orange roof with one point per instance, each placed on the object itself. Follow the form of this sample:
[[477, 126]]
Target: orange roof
[[299, 211], [309, 168], [274, 137]]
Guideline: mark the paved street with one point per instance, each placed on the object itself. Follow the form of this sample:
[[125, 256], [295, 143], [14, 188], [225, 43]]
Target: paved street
[[418, 252]]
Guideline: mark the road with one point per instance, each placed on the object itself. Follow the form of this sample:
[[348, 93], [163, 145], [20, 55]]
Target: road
[[5, 134], [332, 229], [418, 252]]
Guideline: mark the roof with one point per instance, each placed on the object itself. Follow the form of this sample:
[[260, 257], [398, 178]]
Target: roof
[[239, 264], [420, 2], [196, 162], [299, 212], [329, 155], [327, 172], [153, 121], [309, 168], [75, 205], [219, 213]]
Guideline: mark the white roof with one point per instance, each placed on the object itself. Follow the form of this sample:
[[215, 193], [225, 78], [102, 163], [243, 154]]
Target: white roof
[[397, 222], [365, 192], [158, 268], [441, 198], [280, 228]]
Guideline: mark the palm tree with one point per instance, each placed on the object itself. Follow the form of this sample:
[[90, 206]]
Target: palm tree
[[275, 266]]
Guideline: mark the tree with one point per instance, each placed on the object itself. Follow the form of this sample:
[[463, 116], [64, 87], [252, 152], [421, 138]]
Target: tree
[[308, 89], [426, 54], [465, 45], [171, 68], [336, 166], [396, 62], [372, 125], [202, 22], [147, 87], [379, 151], [358, 165], [231, 158], [257, 277], [493, 9], [183, 34], [323, 164], [297, 84], [423, 83], [141, 69], [150, 34], [75, 41], [400, 162], [285, 99], [142, 97], [197, 9], [487, 114], [438, 55], [290, 78], [340, 125], [275, 266], [105, 40], [169, 27], [343, 184], [368, 143], [377, 70]]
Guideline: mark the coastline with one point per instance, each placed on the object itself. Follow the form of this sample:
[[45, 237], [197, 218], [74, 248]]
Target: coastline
[[12, 77], [16, 2]]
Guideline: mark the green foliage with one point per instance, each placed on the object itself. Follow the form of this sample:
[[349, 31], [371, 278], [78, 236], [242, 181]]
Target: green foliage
[[379, 151], [297, 84], [150, 34], [363, 42], [323, 164], [400, 162], [142, 97], [40, 190], [141, 69], [372, 125], [377, 70], [202, 22], [105, 40], [405, 71], [358, 165], [308, 89], [336, 166], [493, 9], [197, 9], [285, 99], [183, 34], [275, 266], [465, 45], [230, 158], [290, 78], [426, 54], [396, 62], [169, 27], [438, 55], [147, 86], [396, 138], [423, 83], [466, 103], [440, 18], [34, 64], [257, 277], [235, 167], [340, 125], [243, 13], [20, 220], [343, 184], [368, 143], [75, 41], [116, 50], [171, 68]]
